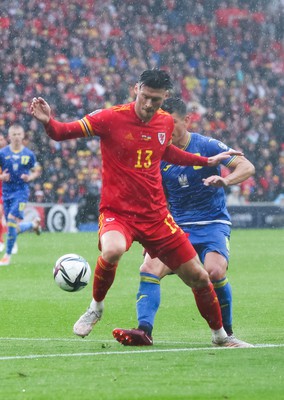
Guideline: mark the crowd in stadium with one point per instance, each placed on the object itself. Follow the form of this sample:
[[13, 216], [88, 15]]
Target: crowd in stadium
[[226, 59]]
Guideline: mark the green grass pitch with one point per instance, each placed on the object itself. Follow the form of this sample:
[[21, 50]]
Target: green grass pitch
[[40, 358]]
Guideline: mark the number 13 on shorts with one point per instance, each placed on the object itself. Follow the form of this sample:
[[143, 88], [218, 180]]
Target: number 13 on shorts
[[170, 222]]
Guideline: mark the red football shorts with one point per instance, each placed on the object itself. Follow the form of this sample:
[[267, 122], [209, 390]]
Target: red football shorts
[[163, 238]]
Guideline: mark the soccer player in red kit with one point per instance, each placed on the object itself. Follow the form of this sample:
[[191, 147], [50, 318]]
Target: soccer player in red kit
[[135, 137]]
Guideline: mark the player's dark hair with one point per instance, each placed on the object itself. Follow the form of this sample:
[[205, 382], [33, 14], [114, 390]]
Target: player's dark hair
[[174, 105], [155, 79]]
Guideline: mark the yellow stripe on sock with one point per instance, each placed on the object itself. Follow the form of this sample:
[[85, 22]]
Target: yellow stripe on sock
[[149, 279], [219, 284], [12, 224]]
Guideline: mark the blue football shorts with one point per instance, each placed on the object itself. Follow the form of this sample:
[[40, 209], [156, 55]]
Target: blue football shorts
[[213, 237], [14, 206]]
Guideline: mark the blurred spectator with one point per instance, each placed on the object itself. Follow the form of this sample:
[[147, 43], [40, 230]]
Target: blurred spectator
[[60, 194], [49, 195], [39, 196], [235, 198], [71, 195]]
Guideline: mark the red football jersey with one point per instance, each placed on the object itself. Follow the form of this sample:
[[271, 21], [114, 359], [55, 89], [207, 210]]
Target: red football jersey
[[131, 153]]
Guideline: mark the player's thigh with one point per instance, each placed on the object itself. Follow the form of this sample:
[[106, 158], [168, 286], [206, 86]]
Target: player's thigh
[[167, 241], [192, 273], [6, 206], [114, 236], [17, 207], [211, 238], [113, 245]]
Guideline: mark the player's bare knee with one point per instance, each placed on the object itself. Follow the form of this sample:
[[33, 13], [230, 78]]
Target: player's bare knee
[[112, 254], [193, 275], [216, 272], [216, 275], [200, 280]]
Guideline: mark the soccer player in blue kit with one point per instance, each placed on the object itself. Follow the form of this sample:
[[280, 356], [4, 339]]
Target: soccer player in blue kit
[[197, 202], [18, 168]]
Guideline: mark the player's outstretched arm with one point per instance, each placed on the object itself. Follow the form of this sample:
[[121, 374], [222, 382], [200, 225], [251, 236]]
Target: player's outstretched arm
[[241, 169], [56, 130], [216, 160], [174, 155]]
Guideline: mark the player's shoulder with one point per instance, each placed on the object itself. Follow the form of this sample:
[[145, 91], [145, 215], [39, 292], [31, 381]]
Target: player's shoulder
[[207, 140], [5, 150], [121, 108], [199, 140], [199, 137], [163, 114], [116, 109]]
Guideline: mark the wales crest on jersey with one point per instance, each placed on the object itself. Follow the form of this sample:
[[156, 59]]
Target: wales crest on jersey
[[162, 137]]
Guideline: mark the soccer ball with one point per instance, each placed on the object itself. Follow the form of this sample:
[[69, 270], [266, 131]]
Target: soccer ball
[[71, 272]]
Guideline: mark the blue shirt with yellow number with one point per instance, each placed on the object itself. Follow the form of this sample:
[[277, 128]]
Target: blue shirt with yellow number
[[190, 201], [16, 163]]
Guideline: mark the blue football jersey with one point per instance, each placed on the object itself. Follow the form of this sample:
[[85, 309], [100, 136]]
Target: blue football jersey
[[190, 201], [16, 163]]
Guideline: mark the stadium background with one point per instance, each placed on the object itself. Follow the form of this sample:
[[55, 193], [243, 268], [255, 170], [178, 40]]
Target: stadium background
[[226, 59]]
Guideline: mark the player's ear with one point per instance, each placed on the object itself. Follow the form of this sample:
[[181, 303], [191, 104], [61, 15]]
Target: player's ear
[[187, 119], [167, 95], [136, 88]]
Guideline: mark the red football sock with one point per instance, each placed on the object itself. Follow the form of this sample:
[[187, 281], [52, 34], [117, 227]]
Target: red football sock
[[103, 279], [208, 306]]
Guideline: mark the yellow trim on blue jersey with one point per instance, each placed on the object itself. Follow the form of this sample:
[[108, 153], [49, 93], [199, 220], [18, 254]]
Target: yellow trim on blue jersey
[[15, 151], [220, 284], [232, 159], [187, 143]]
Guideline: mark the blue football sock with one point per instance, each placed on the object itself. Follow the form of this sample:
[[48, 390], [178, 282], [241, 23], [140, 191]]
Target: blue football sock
[[148, 301], [11, 235], [224, 293], [25, 226]]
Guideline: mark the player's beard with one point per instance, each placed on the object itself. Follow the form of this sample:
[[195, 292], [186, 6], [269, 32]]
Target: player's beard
[[148, 113]]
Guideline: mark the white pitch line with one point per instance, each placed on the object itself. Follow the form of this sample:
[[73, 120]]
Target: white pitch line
[[78, 340], [88, 340], [109, 353]]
